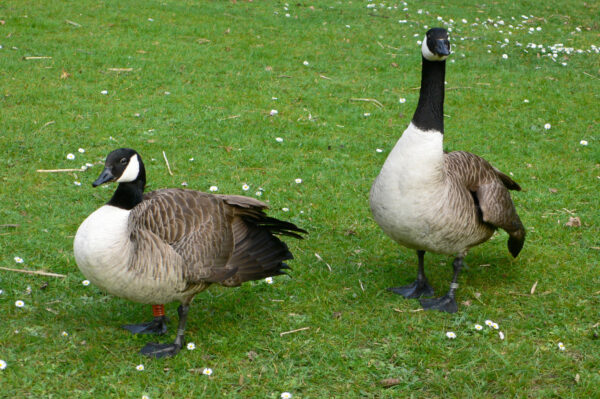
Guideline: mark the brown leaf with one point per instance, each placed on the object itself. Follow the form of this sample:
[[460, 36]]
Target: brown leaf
[[573, 222], [389, 382], [64, 74], [466, 303], [553, 190], [394, 65]]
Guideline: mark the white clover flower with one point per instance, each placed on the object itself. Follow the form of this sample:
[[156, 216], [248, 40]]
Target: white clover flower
[[85, 282], [77, 183], [269, 280], [489, 323], [139, 367], [2, 364], [495, 326], [478, 327], [561, 346], [298, 181], [64, 334], [18, 259], [81, 150], [245, 187], [213, 188], [191, 346], [501, 334], [286, 395], [70, 156], [402, 100], [583, 142], [279, 140], [19, 303], [547, 126], [305, 63], [207, 371], [273, 112], [450, 335], [105, 92]]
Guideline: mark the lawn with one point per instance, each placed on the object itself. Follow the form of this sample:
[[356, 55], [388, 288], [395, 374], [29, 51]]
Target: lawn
[[261, 94]]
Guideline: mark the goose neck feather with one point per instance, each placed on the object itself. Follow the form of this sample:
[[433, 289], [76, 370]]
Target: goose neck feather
[[429, 114]]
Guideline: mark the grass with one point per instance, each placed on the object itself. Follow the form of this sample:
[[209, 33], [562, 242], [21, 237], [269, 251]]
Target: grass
[[222, 63]]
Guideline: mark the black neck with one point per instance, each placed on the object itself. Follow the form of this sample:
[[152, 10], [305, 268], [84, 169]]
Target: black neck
[[128, 195], [429, 114]]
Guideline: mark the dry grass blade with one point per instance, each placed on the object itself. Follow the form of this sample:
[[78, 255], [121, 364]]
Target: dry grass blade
[[73, 23], [167, 162], [533, 288], [38, 272], [370, 100], [294, 331], [59, 170]]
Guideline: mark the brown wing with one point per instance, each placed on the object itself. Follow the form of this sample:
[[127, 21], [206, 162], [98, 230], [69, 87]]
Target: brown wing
[[194, 225], [489, 188]]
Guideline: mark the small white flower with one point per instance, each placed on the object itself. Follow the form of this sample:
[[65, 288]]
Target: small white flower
[[28, 290], [70, 156], [402, 100], [379, 150], [213, 188], [1, 292], [77, 183], [547, 126], [450, 335], [207, 371], [2, 364], [269, 280], [583, 142], [19, 303], [191, 159], [64, 334], [501, 334], [139, 367], [85, 282], [18, 259], [305, 63], [298, 181], [184, 183], [489, 323], [367, 114], [504, 56], [145, 397], [526, 101], [273, 112], [285, 209], [561, 346], [495, 326], [167, 93], [274, 98], [258, 193], [191, 346], [286, 395], [150, 19], [279, 140], [245, 187], [478, 327], [105, 92], [89, 165]]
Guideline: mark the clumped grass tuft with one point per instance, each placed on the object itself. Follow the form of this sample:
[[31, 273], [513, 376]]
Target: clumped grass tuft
[[199, 80]]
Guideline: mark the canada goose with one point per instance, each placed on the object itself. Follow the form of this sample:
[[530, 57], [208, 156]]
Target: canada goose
[[429, 200], [170, 244]]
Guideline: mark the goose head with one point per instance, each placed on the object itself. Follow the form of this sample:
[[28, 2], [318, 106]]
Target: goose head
[[436, 45], [122, 166]]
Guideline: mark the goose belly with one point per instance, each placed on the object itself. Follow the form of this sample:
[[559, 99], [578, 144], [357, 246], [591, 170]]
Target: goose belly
[[104, 253], [427, 218]]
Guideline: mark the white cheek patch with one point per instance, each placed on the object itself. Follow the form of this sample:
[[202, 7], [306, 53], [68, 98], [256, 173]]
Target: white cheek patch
[[429, 56], [131, 171]]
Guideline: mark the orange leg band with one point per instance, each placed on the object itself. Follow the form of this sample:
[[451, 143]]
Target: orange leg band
[[158, 310]]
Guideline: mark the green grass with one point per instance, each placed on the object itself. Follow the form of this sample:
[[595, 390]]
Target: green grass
[[221, 91]]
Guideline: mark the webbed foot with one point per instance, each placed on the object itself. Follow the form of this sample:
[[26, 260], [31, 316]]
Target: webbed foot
[[157, 326], [158, 351], [446, 303], [416, 289]]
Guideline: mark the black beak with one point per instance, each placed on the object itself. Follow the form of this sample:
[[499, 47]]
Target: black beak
[[442, 47], [104, 177]]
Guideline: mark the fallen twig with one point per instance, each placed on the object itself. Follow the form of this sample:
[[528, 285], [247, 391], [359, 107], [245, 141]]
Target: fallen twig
[[293, 331], [73, 23], [370, 100], [38, 272], [59, 170], [167, 162]]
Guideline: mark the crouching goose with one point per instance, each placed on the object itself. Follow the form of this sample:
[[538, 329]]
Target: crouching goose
[[170, 244], [429, 200]]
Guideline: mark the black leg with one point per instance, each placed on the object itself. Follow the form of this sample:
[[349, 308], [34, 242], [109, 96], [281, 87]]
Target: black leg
[[420, 287], [167, 350], [447, 303], [157, 326]]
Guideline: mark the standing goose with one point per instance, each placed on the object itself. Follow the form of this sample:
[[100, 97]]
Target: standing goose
[[429, 200], [170, 244]]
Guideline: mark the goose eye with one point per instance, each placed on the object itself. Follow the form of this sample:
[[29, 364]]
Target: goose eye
[[123, 161]]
